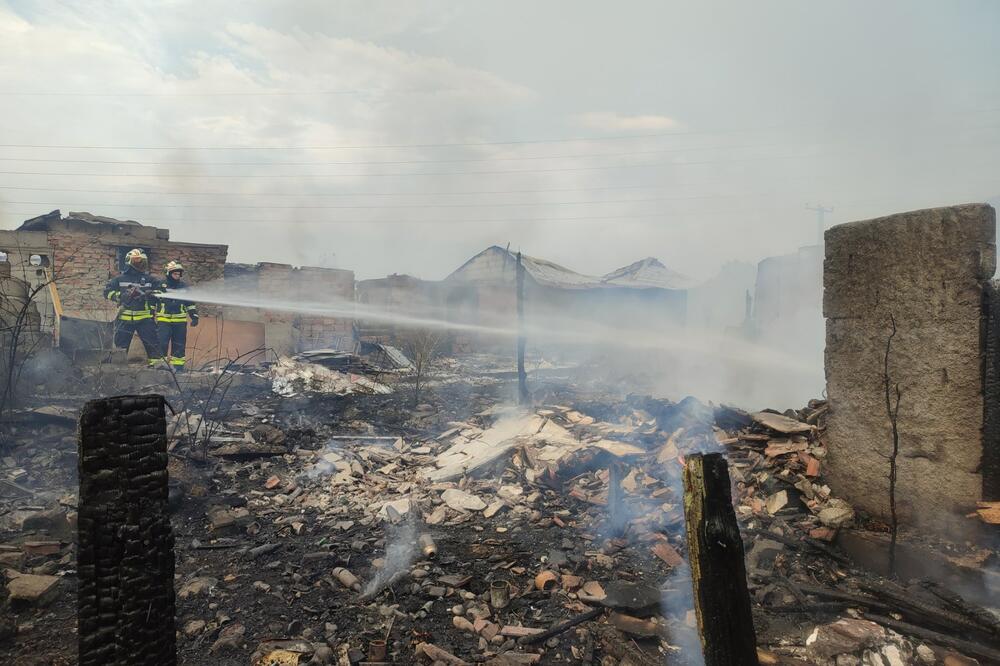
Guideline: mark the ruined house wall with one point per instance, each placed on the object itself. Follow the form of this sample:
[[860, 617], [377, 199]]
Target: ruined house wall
[[85, 257], [330, 287], [399, 294], [926, 269], [287, 332], [19, 246]]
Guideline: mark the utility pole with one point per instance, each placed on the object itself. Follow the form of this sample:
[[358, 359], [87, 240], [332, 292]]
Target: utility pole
[[522, 377], [821, 212]]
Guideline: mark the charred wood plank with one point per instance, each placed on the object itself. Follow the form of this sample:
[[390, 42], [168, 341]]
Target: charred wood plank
[[975, 613], [561, 627], [718, 569], [125, 603], [815, 608], [968, 648], [919, 610], [847, 597], [615, 644]]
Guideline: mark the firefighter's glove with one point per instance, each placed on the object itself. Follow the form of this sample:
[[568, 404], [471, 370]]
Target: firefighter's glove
[[194, 321]]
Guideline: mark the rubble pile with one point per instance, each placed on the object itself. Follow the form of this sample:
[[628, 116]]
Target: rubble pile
[[341, 529]]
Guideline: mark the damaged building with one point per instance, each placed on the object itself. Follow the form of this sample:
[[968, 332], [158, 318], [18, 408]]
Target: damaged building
[[73, 256], [320, 508], [480, 293]]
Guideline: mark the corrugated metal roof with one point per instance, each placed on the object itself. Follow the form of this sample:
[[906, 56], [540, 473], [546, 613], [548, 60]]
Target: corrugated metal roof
[[647, 273], [497, 264]]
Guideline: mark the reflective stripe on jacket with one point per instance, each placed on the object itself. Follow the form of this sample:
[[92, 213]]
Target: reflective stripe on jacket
[[134, 315], [134, 307], [174, 311]]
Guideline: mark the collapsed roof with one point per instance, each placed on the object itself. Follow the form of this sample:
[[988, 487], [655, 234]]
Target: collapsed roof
[[42, 222], [497, 264], [648, 272]]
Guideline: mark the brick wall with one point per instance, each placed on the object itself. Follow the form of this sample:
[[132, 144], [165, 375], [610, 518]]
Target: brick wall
[[85, 257]]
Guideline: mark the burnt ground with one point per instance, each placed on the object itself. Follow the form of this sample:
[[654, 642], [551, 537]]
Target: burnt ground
[[288, 592], [246, 587]]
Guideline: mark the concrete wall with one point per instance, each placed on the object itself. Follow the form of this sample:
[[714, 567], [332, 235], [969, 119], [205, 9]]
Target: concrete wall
[[926, 269]]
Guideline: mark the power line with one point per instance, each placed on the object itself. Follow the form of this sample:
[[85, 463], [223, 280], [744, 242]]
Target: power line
[[371, 162], [244, 220], [259, 93], [470, 144], [601, 167], [468, 160], [375, 207], [333, 194], [466, 144]]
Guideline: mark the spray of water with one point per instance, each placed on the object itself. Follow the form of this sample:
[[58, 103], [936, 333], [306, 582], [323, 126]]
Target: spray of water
[[553, 328]]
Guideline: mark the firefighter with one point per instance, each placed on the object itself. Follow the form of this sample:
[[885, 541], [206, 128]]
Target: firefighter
[[134, 292], [172, 317]]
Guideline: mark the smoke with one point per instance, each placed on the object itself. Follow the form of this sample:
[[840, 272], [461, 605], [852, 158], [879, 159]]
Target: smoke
[[326, 464], [400, 551], [633, 339], [677, 604]]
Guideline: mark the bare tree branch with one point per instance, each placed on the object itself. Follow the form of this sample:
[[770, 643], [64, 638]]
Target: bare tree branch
[[892, 411], [422, 345]]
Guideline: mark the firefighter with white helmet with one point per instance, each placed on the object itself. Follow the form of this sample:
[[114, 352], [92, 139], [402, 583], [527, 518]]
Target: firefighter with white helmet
[[172, 317], [134, 291]]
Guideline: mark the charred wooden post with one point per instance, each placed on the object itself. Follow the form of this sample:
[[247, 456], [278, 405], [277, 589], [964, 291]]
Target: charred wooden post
[[125, 605], [718, 570], [522, 376]]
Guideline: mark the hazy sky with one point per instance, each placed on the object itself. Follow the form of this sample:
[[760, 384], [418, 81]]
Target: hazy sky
[[405, 137]]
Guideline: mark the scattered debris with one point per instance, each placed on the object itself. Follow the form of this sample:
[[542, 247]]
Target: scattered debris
[[331, 524]]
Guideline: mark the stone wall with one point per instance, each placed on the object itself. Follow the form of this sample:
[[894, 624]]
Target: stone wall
[[927, 270]]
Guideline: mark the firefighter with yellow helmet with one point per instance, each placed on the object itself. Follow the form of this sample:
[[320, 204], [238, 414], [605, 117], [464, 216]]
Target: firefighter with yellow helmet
[[172, 317], [134, 292]]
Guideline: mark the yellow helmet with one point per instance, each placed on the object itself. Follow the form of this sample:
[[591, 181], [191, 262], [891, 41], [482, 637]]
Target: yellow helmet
[[137, 259], [173, 266]]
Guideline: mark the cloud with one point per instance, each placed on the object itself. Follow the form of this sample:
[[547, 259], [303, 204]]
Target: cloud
[[606, 121], [216, 87]]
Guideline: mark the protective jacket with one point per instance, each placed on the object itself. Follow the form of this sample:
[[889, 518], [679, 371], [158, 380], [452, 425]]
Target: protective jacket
[[172, 310], [133, 290]]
